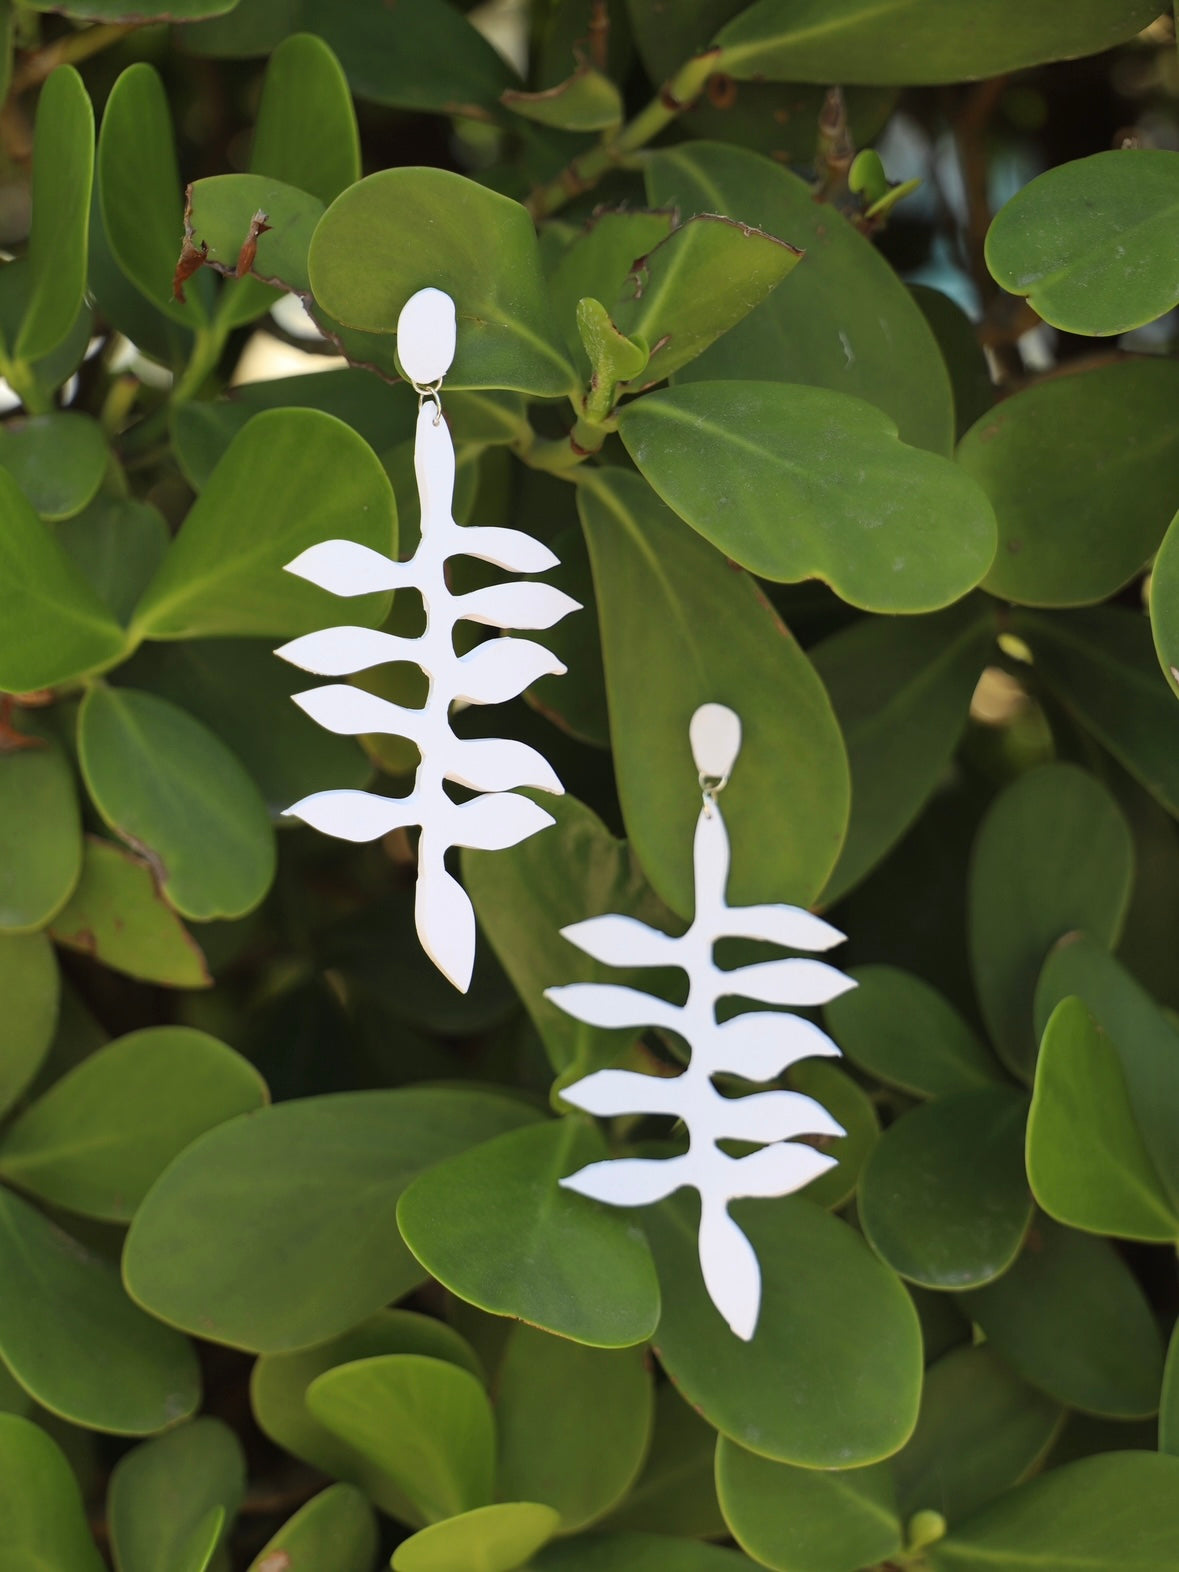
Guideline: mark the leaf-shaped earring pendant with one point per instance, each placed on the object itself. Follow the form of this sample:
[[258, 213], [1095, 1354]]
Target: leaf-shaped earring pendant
[[757, 1047], [493, 672]]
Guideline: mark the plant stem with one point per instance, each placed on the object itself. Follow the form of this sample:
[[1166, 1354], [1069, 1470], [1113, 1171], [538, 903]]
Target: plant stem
[[206, 351], [65, 51], [677, 94]]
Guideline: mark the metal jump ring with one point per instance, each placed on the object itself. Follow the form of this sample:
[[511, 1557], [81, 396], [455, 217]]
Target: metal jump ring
[[429, 390]]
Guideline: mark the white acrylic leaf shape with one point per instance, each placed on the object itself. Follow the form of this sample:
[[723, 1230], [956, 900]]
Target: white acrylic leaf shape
[[756, 1046], [492, 673]]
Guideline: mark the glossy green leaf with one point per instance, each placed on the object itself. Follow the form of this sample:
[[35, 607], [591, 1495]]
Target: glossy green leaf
[[333, 1532], [119, 544], [851, 1107], [161, 1492], [1088, 242], [845, 322], [599, 260], [981, 1430], [496, 1538], [40, 1504], [495, 1228], [73, 1339], [901, 690], [576, 700], [1071, 533], [306, 131], [613, 357], [908, 41], [848, 1350], [171, 789], [1145, 1040], [636, 1553], [1164, 605], [29, 986], [585, 101], [278, 1230], [63, 168], [943, 1196], [1071, 1319], [292, 478], [425, 1422], [582, 1469], [904, 1032], [162, 338], [40, 835], [1053, 854], [118, 915], [367, 259], [1113, 1513], [222, 210], [698, 633], [889, 527], [55, 627], [101, 1136], [278, 1388], [823, 1520], [58, 461], [675, 1493]]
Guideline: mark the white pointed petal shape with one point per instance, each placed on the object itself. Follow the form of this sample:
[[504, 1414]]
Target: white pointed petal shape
[[760, 1046], [499, 764], [715, 737], [496, 821], [445, 922], [777, 1170], [777, 1116], [510, 549], [791, 926], [788, 982], [623, 941], [729, 1264], [355, 815], [610, 1004], [607, 1093], [350, 711], [338, 652], [426, 331], [629, 1181], [345, 567], [516, 605], [500, 669]]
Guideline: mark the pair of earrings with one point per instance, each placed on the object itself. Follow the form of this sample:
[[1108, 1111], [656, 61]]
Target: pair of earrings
[[755, 1047]]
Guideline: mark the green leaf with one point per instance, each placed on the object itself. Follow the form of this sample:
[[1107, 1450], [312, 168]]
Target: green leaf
[[58, 461], [1071, 533], [278, 1388], [1086, 1159], [904, 1032], [221, 213], [278, 1229], [889, 527], [40, 835], [901, 690], [29, 986], [1169, 1404], [306, 133], [848, 1349], [63, 168], [908, 41], [55, 627], [41, 1506], [133, 10], [1114, 1513], [585, 101], [367, 259], [599, 260], [1164, 605], [698, 283], [163, 1491], [943, 1196], [291, 479], [76, 1343], [636, 1553], [425, 1422], [581, 1469], [675, 1493], [981, 1430], [1145, 1040], [496, 1538], [118, 915], [118, 544], [98, 1140], [576, 700], [1053, 854], [1088, 242], [494, 1227], [175, 793], [824, 1520], [1070, 1318], [333, 1532], [846, 322], [671, 610], [850, 1106], [613, 358], [964, 356]]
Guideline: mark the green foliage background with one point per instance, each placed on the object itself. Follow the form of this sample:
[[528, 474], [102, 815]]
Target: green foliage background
[[286, 1281]]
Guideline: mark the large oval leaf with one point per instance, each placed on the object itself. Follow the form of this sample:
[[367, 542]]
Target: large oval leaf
[[499, 1538], [40, 835], [335, 1531], [40, 1503], [58, 461], [675, 1493], [306, 133], [162, 1493], [29, 986], [699, 633], [802, 483], [277, 1230]]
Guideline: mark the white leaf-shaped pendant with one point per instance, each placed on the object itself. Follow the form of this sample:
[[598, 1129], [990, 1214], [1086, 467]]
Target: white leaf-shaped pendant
[[757, 1046], [492, 673]]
